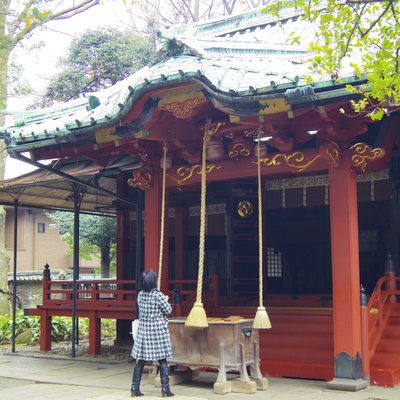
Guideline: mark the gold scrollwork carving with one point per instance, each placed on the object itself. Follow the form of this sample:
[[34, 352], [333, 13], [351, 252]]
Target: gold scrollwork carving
[[239, 150], [361, 153], [296, 160], [186, 173], [183, 109], [331, 153], [245, 208], [250, 133], [142, 178], [211, 128]]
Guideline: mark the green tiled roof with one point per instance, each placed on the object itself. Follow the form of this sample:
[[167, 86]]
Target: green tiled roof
[[251, 58]]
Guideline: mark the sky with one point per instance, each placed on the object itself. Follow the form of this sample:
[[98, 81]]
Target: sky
[[40, 65]]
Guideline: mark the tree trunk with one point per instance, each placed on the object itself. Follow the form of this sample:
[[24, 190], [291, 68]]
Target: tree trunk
[[105, 261]]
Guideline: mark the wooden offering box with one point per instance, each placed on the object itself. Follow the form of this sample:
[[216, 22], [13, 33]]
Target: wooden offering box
[[227, 344]]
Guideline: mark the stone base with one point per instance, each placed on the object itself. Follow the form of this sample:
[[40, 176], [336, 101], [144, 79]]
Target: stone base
[[351, 385], [262, 383], [222, 387], [152, 378], [244, 387]]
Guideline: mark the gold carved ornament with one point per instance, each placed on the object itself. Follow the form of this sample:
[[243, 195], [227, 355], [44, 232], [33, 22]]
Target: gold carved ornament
[[239, 150], [245, 208], [296, 160], [186, 173], [361, 153], [183, 109], [240, 147], [142, 178], [331, 153]]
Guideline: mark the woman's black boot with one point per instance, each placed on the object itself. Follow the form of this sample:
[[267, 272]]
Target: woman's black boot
[[165, 390], [137, 377]]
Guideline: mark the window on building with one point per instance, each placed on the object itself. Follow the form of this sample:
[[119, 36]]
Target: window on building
[[274, 263], [41, 227]]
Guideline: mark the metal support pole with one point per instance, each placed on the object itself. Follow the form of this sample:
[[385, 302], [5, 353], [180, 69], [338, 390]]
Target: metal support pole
[[77, 195], [14, 294]]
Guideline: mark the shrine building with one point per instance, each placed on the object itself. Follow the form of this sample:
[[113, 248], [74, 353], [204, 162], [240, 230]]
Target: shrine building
[[330, 182]]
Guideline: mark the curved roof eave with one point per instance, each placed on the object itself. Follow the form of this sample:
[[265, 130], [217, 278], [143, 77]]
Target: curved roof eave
[[220, 79]]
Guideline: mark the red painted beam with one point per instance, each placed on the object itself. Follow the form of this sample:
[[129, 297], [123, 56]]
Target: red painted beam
[[291, 163]]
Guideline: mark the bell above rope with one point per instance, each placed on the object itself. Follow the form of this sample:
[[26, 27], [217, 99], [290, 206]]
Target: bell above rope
[[163, 165], [197, 317], [261, 320]]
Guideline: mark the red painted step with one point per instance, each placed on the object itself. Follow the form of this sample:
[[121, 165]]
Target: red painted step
[[385, 364]]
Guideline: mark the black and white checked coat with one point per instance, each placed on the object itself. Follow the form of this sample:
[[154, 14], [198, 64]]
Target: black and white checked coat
[[153, 341]]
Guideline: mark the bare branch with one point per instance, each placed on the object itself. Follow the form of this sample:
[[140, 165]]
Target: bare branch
[[394, 12], [229, 8], [363, 34], [350, 36], [63, 14], [74, 10], [20, 18]]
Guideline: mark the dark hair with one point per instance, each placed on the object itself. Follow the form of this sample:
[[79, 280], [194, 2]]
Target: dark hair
[[148, 280]]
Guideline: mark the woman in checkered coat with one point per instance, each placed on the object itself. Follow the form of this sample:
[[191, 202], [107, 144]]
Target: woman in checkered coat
[[153, 342]]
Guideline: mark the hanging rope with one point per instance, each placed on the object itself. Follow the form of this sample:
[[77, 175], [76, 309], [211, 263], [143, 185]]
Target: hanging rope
[[197, 317], [261, 320], [161, 253]]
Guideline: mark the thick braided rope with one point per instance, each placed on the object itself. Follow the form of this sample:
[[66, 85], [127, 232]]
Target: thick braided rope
[[160, 256], [260, 227], [202, 216]]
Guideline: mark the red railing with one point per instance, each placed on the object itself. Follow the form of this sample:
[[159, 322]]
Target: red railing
[[380, 308], [111, 293], [99, 293]]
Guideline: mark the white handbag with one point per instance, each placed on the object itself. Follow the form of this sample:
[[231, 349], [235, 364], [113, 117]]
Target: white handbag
[[135, 327]]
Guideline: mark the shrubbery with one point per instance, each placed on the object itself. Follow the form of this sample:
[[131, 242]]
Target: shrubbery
[[61, 328]]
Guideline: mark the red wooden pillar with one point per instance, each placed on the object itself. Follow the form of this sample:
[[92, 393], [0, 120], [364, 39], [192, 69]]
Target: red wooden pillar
[[94, 334], [45, 318], [152, 229], [45, 330], [345, 277]]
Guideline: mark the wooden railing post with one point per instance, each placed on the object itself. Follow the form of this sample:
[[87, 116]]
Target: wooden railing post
[[46, 319], [391, 274], [46, 283], [365, 356]]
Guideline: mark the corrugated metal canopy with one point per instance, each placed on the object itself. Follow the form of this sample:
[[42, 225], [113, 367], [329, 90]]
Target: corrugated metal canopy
[[45, 189]]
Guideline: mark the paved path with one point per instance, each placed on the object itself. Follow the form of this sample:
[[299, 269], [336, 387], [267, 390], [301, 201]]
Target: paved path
[[36, 377]]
